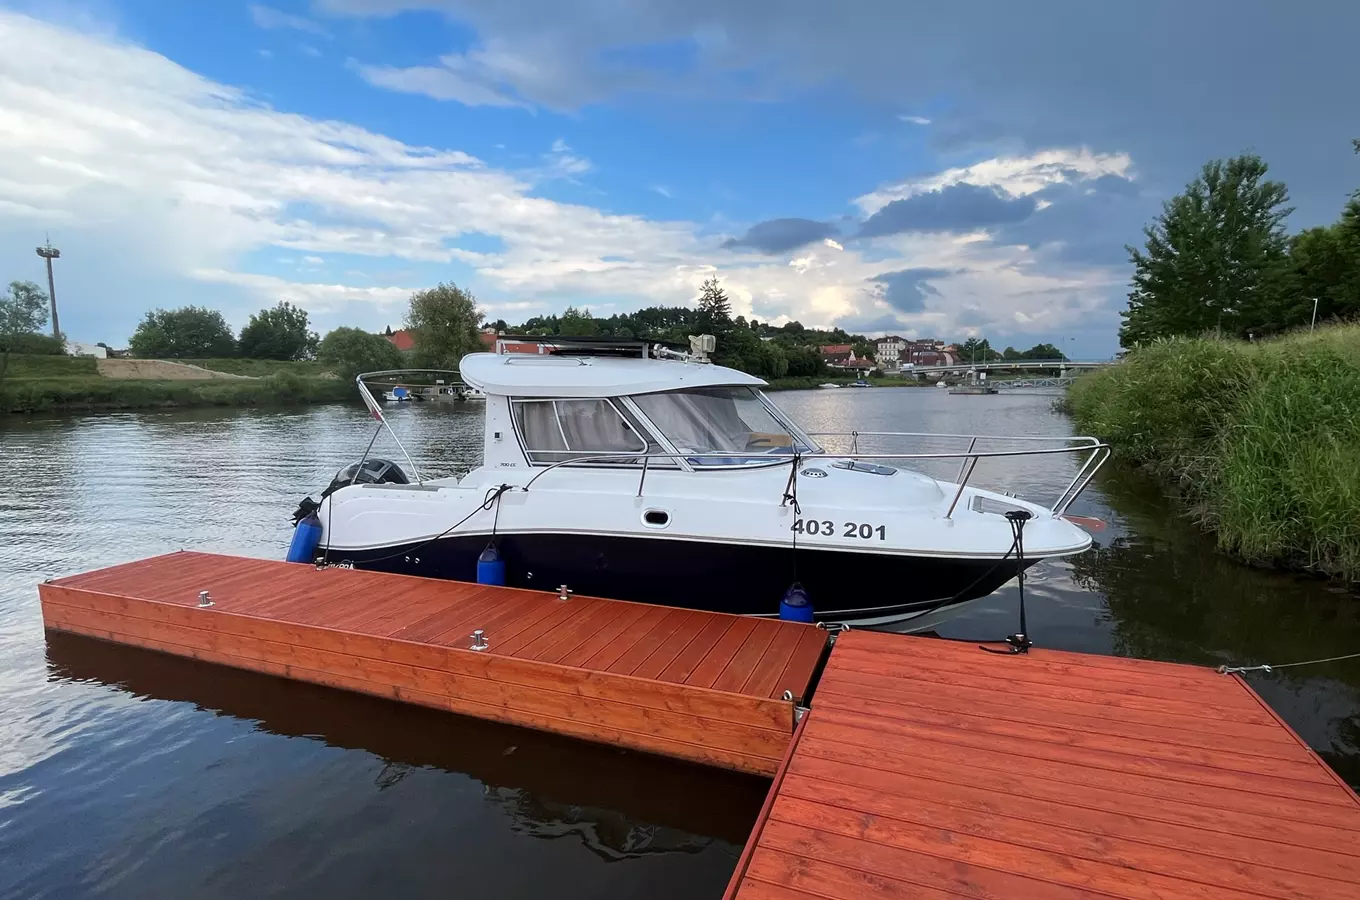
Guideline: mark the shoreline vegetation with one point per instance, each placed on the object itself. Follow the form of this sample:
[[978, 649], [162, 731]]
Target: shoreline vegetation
[[1261, 439], [40, 384], [37, 384]]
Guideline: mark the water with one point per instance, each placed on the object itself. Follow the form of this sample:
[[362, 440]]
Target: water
[[125, 773]]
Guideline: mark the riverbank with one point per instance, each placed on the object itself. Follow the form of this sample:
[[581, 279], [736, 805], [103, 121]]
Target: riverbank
[[73, 384], [1262, 440], [807, 382]]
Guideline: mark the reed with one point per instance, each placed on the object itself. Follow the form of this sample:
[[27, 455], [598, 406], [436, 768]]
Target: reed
[[1263, 439]]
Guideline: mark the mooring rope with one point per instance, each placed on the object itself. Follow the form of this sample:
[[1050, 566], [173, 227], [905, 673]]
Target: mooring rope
[[492, 499], [1238, 670], [791, 500]]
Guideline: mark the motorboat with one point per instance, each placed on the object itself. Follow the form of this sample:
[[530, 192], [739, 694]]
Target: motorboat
[[828, 385], [860, 383], [623, 470]]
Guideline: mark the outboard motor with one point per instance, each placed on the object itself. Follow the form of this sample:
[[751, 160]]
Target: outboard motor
[[306, 524], [370, 471]]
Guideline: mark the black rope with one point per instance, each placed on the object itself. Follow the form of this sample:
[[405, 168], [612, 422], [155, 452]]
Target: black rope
[[492, 500], [791, 498], [1018, 642]]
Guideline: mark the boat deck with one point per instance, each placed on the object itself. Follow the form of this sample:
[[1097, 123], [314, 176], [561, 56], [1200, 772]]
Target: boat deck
[[928, 768], [700, 686]]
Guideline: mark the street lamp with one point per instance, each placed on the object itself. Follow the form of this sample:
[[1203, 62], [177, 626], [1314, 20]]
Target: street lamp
[[49, 253]]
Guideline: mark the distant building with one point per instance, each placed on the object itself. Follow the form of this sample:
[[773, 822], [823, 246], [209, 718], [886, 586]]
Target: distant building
[[842, 358], [929, 352], [489, 339], [80, 348], [888, 352], [403, 340]]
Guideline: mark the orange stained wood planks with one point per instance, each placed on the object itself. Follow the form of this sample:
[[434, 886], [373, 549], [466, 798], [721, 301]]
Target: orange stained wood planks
[[627, 674], [931, 769]]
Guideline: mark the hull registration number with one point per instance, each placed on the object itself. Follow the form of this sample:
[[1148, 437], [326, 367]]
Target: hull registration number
[[863, 531]]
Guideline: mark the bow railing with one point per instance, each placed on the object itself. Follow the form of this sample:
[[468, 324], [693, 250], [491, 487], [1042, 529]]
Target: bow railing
[[1096, 453]]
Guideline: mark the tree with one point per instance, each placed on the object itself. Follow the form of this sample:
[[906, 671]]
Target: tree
[[1326, 263], [1043, 351], [977, 349], [1215, 259], [444, 323], [351, 351], [577, 323], [278, 333], [186, 333], [715, 310], [23, 310], [805, 361]]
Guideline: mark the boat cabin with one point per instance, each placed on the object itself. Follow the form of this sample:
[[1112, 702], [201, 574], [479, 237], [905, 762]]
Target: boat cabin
[[596, 406]]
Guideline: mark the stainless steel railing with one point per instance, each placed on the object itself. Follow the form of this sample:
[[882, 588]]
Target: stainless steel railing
[[1096, 455]]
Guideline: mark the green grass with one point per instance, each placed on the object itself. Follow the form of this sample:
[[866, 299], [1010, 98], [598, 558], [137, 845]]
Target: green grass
[[25, 366], [1263, 439], [91, 392]]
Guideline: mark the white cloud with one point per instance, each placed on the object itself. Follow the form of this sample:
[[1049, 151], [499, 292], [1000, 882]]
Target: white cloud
[[662, 190], [527, 73], [313, 260], [309, 50], [915, 120], [1017, 175], [434, 81], [195, 182], [562, 163], [270, 19], [832, 244], [316, 298]]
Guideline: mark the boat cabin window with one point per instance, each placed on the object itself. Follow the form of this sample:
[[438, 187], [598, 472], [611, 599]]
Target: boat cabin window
[[717, 421], [556, 431]]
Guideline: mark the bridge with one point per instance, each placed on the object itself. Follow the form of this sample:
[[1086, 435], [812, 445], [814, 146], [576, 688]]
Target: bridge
[[1020, 383], [1011, 365]]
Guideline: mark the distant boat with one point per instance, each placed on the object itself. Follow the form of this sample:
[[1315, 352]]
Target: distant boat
[[861, 383], [973, 389], [398, 395], [829, 384]]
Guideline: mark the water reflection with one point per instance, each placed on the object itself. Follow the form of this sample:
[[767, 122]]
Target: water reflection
[[619, 804]]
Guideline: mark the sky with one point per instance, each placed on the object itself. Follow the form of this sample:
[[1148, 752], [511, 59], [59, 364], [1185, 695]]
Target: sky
[[929, 170]]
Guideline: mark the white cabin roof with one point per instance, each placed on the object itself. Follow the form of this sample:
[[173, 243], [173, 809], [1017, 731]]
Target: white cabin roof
[[533, 375]]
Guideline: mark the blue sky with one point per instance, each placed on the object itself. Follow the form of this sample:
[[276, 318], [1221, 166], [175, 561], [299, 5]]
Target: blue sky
[[924, 169]]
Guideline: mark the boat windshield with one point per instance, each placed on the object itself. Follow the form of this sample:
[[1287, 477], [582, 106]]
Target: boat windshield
[[721, 420]]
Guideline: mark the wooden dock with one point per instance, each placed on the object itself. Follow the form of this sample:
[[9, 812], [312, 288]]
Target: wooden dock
[[931, 769], [699, 686]]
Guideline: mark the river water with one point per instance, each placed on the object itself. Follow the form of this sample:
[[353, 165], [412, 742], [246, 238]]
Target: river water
[[125, 773]]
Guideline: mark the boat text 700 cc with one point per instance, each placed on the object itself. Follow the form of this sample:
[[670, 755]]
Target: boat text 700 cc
[[632, 472]]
